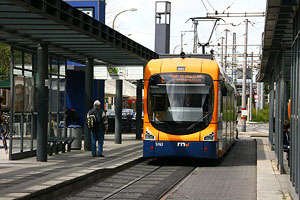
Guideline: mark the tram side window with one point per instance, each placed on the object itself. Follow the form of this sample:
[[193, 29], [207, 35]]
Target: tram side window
[[223, 88]]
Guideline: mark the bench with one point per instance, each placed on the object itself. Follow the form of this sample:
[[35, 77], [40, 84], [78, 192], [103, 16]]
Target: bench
[[59, 143]]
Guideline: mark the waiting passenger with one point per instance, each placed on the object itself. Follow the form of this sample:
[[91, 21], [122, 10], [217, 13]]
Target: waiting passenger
[[2, 131], [101, 126], [71, 116], [286, 137]]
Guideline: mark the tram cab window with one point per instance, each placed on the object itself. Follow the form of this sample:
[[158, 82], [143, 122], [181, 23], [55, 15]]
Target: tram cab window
[[180, 103], [160, 103]]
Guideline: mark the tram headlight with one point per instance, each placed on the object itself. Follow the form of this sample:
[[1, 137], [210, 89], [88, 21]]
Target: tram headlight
[[209, 137], [149, 135]]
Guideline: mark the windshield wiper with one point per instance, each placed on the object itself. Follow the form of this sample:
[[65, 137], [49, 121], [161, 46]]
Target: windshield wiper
[[159, 122], [197, 122]]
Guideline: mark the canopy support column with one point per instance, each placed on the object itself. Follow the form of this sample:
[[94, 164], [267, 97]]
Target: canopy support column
[[139, 91], [42, 102], [271, 116], [118, 110], [89, 88]]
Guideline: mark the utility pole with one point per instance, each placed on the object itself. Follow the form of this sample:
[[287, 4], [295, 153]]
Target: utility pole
[[251, 89], [262, 96], [243, 117], [226, 34], [222, 54], [225, 61], [260, 92], [195, 36], [258, 101], [181, 43], [233, 65]]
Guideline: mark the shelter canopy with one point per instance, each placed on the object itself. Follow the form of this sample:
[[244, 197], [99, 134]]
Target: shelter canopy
[[69, 33], [278, 35]]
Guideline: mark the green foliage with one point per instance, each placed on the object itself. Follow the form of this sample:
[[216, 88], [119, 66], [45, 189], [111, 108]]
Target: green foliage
[[4, 62], [266, 88], [262, 115]]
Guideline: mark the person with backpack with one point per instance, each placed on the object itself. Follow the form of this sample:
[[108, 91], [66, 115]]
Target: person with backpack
[[97, 123]]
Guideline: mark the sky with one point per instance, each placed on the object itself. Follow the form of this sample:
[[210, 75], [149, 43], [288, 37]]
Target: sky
[[140, 25]]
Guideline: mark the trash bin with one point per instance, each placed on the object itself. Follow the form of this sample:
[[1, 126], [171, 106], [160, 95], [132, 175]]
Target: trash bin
[[75, 131], [111, 123]]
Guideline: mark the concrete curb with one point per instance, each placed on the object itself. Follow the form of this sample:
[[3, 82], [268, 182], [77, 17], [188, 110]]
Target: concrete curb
[[78, 183], [270, 183]]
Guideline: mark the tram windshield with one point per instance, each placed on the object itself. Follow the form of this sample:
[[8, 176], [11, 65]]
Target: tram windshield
[[180, 103]]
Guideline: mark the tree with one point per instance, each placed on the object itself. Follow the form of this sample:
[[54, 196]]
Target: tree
[[4, 62], [266, 88]]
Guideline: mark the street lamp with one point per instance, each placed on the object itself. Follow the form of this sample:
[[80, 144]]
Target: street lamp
[[131, 9]]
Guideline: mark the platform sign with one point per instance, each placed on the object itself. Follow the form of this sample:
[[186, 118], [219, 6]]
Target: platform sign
[[119, 72], [116, 72]]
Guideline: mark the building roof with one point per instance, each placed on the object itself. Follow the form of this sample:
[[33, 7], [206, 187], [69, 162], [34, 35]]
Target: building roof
[[278, 33], [69, 33]]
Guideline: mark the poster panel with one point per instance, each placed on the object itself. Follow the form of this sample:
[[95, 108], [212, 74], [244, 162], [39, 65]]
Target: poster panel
[[29, 94], [19, 94]]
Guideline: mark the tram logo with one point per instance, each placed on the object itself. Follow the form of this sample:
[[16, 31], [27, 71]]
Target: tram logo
[[183, 144]]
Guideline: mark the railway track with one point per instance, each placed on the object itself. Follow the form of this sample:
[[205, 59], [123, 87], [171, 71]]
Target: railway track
[[233, 177], [150, 179]]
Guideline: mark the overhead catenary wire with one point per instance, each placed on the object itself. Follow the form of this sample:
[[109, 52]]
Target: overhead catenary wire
[[211, 5], [204, 5], [229, 6]]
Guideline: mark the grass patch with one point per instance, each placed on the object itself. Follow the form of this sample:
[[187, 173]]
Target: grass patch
[[262, 115]]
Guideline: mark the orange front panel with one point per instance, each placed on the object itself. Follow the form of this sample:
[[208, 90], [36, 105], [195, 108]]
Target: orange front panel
[[190, 64], [146, 118], [168, 137], [215, 114], [210, 67], [153, 67]]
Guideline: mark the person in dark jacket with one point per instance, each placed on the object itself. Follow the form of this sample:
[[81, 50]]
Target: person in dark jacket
[[2, 131], [97, 133], [71, 116]]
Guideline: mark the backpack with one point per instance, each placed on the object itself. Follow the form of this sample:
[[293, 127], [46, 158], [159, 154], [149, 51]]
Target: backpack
[[94, 119], [91, 121]]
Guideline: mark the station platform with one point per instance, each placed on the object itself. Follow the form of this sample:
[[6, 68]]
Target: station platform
[[270, 183], [28, 179]]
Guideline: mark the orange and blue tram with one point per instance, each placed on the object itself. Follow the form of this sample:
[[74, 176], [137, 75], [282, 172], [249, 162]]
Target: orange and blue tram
[[189, 109]]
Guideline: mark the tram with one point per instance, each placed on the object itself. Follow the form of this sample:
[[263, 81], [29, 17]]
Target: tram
[[190, 108]]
